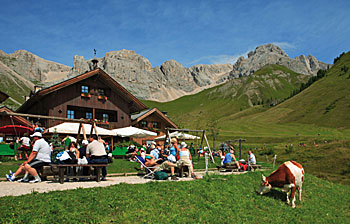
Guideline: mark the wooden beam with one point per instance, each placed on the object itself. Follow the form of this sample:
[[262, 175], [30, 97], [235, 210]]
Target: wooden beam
[[45, 117]]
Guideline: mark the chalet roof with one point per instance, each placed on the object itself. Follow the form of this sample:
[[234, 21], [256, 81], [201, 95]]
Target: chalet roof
[[136, 118], [19, 119], [136, 104], [3, 96]]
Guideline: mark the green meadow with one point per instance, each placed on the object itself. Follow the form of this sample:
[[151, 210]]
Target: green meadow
[[214, 199]]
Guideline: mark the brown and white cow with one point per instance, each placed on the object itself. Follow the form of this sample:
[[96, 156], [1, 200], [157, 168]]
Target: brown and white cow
[[289, 175]]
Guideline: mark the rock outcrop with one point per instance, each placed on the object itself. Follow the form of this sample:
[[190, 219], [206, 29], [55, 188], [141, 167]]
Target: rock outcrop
[[169, 81], [34, 68], [272, 54]]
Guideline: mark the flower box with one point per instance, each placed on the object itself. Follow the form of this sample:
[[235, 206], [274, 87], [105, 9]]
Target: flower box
[[88, 95], [101, 97]]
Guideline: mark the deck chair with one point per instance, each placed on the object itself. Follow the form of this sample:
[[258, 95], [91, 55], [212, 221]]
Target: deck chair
[[149, 171]]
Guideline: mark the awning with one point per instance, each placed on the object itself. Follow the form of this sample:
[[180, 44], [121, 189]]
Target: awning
[[178, 135], [73, 128], [133, 132], [15, 129]]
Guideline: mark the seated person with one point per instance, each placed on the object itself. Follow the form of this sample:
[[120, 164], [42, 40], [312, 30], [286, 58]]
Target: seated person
[[96, 154], [151, 162], [82, 149], [154, 151], [230, 159], [185, 159], [131, 149], [39, 157], [251, 158], [173, 148], [73, 148], [163, 155]]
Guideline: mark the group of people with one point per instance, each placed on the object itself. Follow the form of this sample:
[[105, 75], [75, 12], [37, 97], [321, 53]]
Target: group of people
[[229, 159], [168, 158], [40, 155]]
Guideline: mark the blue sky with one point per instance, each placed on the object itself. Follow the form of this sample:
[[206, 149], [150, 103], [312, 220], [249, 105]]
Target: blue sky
[[189, 31]]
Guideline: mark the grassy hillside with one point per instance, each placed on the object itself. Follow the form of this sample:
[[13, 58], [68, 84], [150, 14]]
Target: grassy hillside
[[321, 108], [214, 199], [270, 84], [325, 103], [13, 87]]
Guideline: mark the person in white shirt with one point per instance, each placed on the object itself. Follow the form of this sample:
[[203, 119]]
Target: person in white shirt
[[25, 146], [96, 153], [251, 158], [40, 156]]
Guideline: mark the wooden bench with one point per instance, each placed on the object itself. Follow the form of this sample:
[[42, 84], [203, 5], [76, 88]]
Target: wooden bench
[[63, 167]]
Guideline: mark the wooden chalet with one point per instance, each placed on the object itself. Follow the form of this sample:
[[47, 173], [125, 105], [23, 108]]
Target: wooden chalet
[[14, 120], [152, 120], [92, 95]]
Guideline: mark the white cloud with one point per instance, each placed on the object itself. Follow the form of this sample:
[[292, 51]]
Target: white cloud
[[231, 59], [217, 59], [284, 45]]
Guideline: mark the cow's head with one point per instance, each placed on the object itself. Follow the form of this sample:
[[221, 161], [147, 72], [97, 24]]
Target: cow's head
[[265, 187]]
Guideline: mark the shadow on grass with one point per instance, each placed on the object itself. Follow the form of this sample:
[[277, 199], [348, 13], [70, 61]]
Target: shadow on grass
[[275, 194]]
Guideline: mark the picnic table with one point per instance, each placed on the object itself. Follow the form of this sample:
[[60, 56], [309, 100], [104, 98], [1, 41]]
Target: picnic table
[[63, 167]]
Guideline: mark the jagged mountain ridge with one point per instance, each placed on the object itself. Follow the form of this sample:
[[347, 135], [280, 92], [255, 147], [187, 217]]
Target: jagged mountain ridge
[[272, 54], [165, 83], [169, 81]]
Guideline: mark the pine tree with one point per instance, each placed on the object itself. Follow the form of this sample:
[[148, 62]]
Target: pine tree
[[55, 139]]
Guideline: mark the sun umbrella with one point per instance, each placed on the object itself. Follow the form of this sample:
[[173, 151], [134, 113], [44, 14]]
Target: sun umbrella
[[72, 128], [133, 132], [178, 135], [15, 129]]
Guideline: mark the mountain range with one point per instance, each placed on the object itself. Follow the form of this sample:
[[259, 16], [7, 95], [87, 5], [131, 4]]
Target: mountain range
[[167, 82]]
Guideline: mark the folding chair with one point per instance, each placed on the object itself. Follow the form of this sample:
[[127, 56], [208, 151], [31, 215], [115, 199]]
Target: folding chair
[[149, 171]]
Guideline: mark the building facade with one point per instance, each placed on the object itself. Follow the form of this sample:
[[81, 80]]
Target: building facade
[[93, 95]]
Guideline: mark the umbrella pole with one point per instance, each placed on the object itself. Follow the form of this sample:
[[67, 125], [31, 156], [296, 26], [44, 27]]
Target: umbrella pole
[[79, 132]]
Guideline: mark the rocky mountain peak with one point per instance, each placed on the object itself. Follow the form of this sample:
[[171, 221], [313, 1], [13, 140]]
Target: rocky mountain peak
[[270, 49], [272, 54]]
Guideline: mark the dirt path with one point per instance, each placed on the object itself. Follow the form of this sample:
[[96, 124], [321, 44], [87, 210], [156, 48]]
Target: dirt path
[[15, 188]]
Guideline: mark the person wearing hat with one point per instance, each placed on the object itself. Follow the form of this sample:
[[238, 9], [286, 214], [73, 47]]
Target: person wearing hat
[[39, 157], [185, 159]]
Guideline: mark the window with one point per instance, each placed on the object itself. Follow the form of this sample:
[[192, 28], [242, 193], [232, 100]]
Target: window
[[155, 124], [84, 89], [101, 92], [105, 117], [144, 124], [88, 115], [70, 114]]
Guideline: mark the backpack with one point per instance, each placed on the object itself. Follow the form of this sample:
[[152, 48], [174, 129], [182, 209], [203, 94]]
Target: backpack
[[160, 175]]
